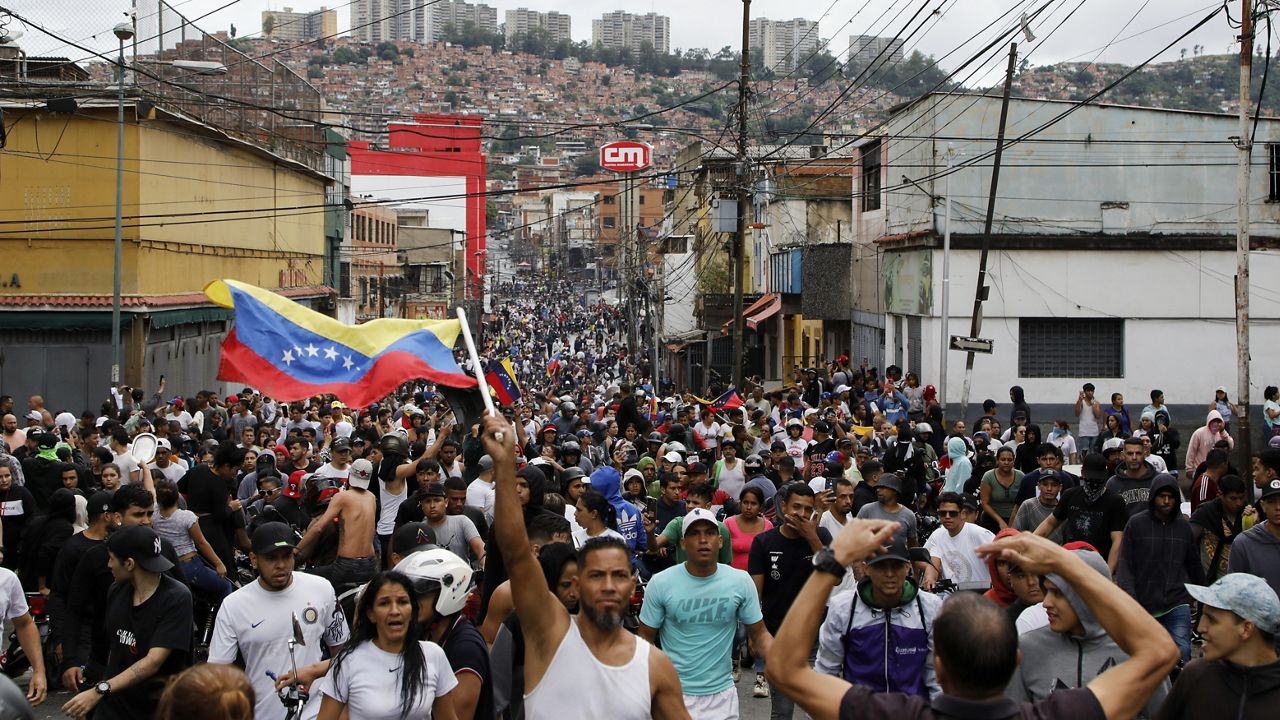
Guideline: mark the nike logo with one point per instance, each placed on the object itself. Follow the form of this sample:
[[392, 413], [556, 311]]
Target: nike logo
[[254, 625]]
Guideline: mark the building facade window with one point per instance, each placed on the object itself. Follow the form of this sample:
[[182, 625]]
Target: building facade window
[[1071, 348], [871, 176], [608, 222], [1273, 172]]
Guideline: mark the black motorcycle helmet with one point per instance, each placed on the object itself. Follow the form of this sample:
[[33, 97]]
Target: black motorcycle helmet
[[394, 444]]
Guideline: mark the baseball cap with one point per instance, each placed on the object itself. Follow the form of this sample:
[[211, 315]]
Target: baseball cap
[[99, 502], [968, 502], [1244, 594], [273, 536], [340, 444], [896, 550], [486, 463], [435, 489], [141, 544], [753, 462], [1270, 489], [698, 515], [1112, 444], [293, 488], [1094, 467], [697, 469], [361, 474], [411, 537], [163, 444], [672, 457]]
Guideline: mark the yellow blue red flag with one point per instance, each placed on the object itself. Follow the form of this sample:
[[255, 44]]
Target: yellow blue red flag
[[291, 352]]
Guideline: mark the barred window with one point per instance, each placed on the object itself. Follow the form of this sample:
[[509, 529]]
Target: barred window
[[1071, 348], [871, 176]]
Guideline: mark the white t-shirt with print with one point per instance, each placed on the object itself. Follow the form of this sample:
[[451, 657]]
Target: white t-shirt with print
[[258, 623], [960, 561]]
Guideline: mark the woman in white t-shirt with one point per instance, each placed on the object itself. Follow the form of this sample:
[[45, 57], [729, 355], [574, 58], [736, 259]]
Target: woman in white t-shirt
[[595, 518], [384, 674], [708, 430]]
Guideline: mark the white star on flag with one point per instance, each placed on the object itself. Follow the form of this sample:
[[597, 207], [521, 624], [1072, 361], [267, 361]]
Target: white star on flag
[[288, 358], [346, 363], [297, 351], [312, 350], [330, 353]]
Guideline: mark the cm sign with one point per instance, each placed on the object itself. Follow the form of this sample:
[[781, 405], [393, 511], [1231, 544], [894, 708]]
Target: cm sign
[[625, 156]]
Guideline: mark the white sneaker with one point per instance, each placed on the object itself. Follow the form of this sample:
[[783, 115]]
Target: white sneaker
[[737, 673], [762, 687]]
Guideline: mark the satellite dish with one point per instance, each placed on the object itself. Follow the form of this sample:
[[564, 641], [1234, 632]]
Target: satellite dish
[[144, 448]]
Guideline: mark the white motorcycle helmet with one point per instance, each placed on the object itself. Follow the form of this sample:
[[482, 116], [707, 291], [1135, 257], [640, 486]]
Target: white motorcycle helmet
[[442, 570]]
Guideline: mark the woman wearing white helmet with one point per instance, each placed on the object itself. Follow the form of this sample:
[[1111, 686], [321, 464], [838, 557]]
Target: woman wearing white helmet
[[442, 581]]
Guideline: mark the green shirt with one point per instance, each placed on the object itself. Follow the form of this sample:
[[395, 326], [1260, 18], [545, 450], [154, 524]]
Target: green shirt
[[674, 533]]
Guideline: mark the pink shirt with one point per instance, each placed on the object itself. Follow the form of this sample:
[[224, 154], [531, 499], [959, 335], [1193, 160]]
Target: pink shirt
[[740, 541]]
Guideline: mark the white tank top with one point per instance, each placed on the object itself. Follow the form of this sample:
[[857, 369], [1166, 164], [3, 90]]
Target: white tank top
[[577, 686], [390, 505]]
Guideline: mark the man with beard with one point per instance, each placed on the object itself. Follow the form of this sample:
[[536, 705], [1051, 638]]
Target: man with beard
[[565, 655]]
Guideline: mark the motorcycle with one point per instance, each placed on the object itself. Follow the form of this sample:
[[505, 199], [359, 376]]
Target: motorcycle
[[13, 659]]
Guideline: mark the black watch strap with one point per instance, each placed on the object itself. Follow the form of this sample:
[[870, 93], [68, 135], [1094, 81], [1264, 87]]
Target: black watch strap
[[825, 561]]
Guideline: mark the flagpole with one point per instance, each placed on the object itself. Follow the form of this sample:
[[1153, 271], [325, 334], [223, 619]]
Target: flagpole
[[475, 365]]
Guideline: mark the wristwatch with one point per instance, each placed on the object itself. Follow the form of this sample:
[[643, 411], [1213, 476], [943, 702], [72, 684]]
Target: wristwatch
[[103, 688], [825, 561]]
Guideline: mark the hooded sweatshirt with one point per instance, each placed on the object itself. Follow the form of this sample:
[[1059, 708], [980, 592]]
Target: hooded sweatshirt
[[1136, 492], [1018, 401], [1158, 557], [885, 651], [961, 469], [1000, 593], [1202, 441], [1257, 551], [1224, 690], [1054, 661], [607, 482]]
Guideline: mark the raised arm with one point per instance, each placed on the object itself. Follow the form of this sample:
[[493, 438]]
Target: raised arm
[[542, 618]]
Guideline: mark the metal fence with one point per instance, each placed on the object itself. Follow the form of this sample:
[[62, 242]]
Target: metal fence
[[206, 77]]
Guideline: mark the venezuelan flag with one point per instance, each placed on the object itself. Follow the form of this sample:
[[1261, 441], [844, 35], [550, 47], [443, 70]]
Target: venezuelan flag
[[501, 377], [292, 352]]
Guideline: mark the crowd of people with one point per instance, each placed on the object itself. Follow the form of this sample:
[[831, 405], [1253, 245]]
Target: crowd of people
[[606, 546]]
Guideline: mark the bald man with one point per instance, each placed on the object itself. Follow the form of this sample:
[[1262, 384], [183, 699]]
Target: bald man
[[13, 436]]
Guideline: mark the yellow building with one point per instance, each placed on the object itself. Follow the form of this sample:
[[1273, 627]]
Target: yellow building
[[198, 205]]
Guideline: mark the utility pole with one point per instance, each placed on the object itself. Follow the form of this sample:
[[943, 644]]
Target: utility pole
[[744, 197], [979, 295], [945, 344], [1244, 145]]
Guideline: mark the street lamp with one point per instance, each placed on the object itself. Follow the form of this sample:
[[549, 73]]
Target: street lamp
[[123, 32]]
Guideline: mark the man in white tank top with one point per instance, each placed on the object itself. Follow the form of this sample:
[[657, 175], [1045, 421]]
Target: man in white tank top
[[585, 667]]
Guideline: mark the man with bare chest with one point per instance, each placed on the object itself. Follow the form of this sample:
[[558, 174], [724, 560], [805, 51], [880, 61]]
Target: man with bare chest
[[354, 511]]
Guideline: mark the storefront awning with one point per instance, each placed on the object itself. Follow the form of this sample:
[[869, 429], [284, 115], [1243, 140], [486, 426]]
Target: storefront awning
[[768, 311], [759, 307]]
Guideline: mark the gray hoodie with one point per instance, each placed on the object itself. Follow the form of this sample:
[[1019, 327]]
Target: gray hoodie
[[1257, 551], [1057, 661]]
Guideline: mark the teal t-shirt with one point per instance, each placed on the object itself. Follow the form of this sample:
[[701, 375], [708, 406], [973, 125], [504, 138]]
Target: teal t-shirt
[[696, 618], [674, 532]]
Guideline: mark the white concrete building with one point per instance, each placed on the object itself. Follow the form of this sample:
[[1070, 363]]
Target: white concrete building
[[865, 49], [783, 44], [618, 29], [1112, 257], [522, 21]]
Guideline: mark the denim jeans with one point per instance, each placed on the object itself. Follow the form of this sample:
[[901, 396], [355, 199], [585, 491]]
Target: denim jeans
[[203, 579], [1178, 623], [783, 707], [1084, 444]]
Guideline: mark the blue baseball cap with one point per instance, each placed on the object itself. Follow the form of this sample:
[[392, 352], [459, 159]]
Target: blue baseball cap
[[1248, 596]]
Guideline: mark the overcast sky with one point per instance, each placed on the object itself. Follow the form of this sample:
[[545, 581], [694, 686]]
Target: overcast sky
[[1139, 28]]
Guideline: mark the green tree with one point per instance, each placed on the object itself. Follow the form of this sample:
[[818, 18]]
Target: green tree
[[586, 164], [268, 24]]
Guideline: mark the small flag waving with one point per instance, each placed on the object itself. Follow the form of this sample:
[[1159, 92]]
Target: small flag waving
[[292, 352], [501, 377]]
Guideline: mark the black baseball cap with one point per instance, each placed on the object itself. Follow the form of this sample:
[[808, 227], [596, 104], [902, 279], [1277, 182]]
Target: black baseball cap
[[273, 536], [412, 537], [435, 489], [99, 503], [141, 544], [1094, 467], [895, 550], [340, 445]]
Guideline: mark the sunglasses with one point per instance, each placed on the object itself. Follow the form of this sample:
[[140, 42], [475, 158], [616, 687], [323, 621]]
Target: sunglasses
[[948, 513]]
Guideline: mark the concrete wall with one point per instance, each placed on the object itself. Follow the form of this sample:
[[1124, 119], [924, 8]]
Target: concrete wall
[[1110, 169]]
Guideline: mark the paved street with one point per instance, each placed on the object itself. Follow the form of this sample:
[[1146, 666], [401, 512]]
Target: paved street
[[751, 708]]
